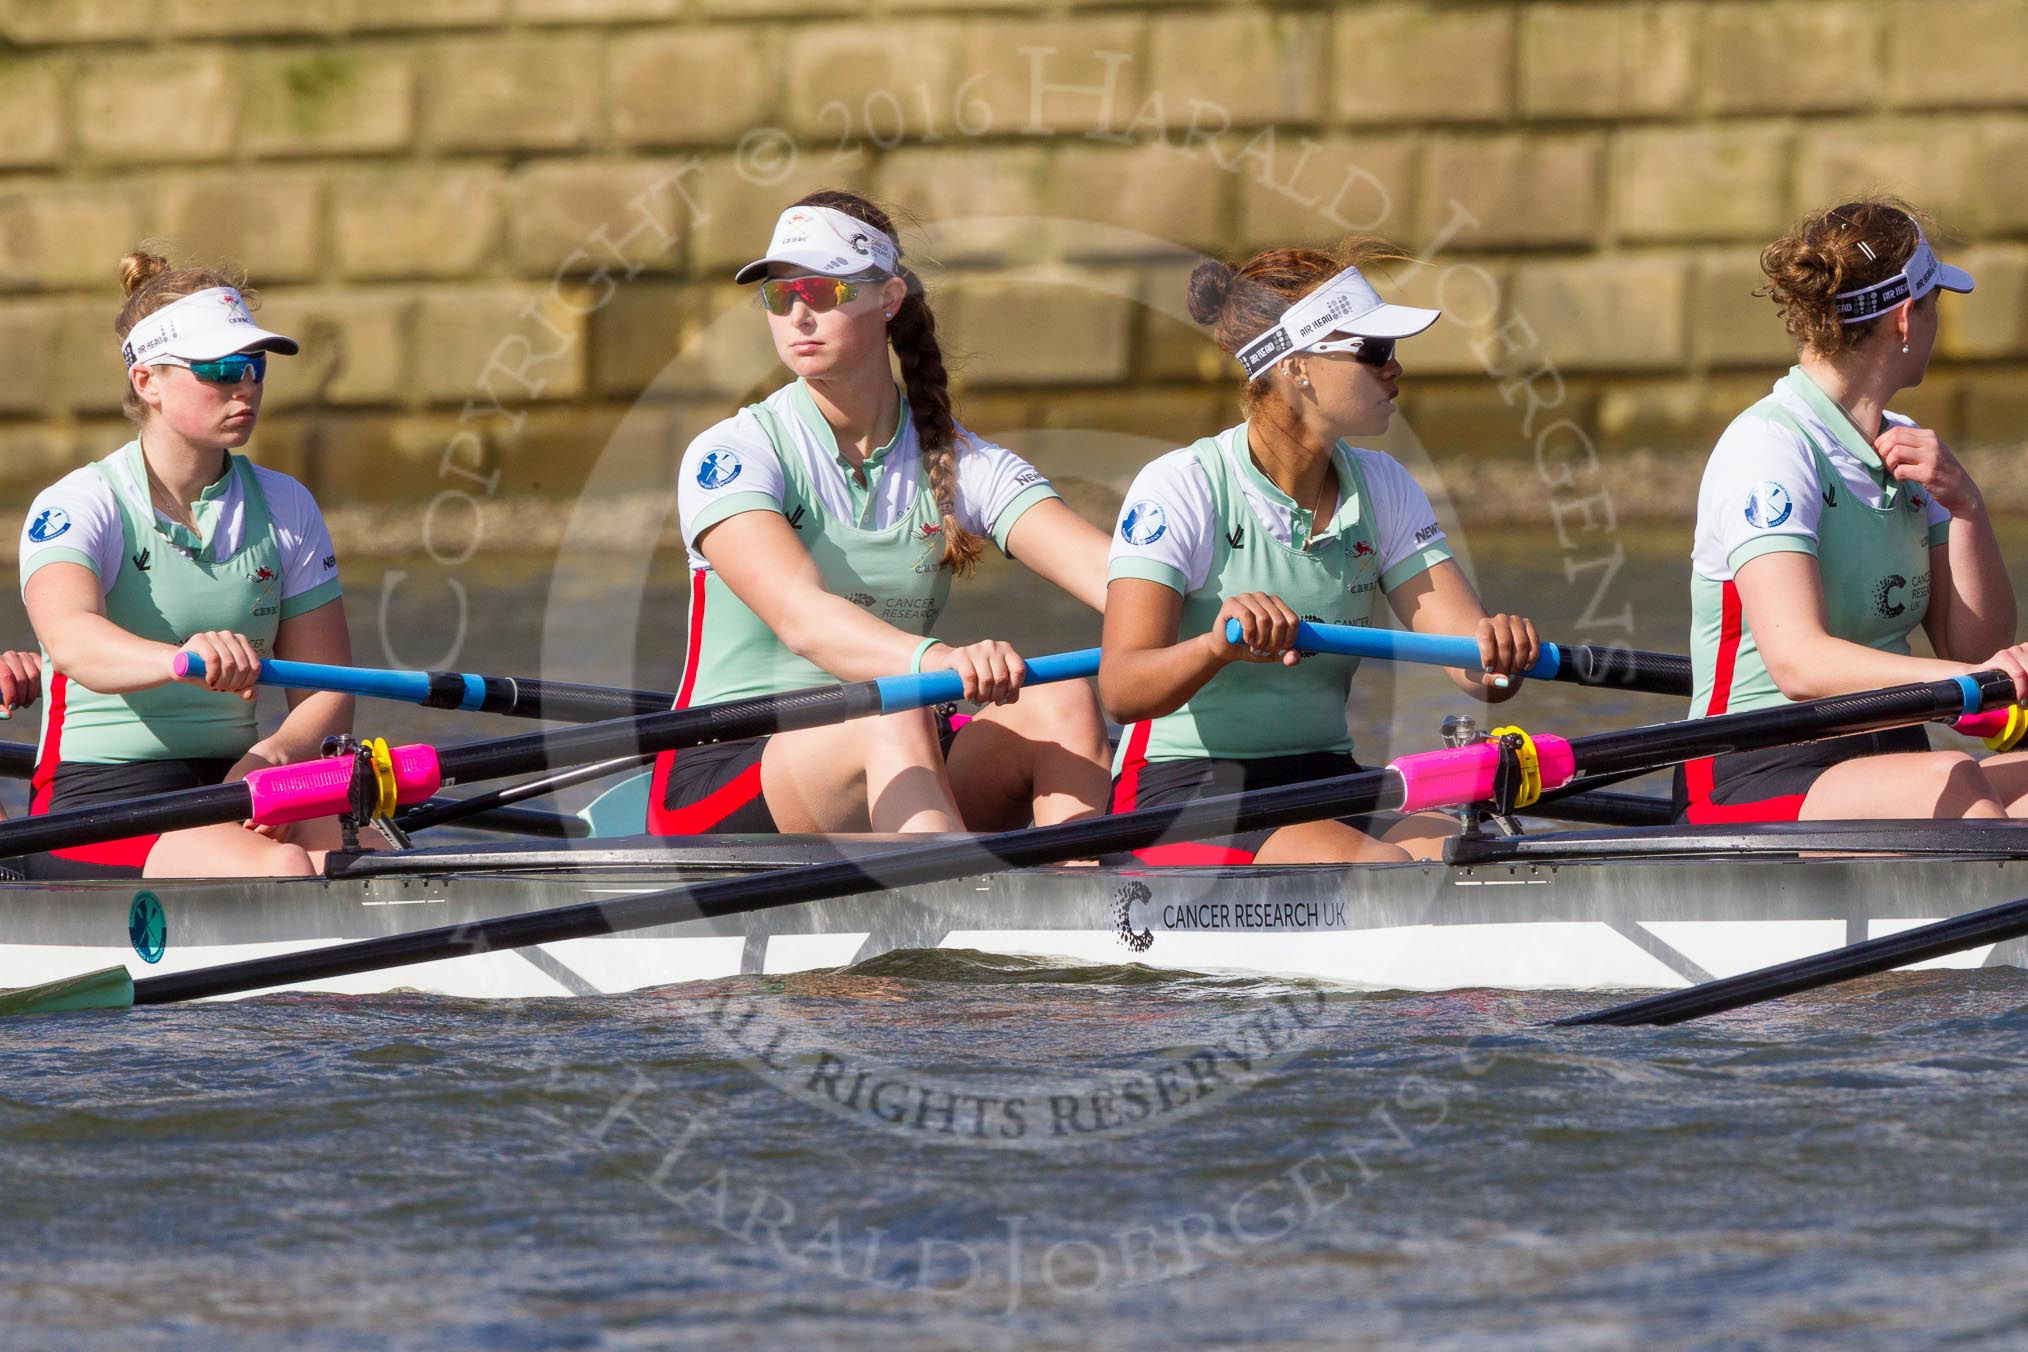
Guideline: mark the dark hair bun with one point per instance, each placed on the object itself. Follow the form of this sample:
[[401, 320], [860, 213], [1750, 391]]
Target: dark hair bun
[[1210, 283]]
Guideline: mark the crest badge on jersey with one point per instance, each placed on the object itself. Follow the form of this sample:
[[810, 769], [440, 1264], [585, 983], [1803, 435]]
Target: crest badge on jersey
[[1144, 523], [718, 469], [48, 524], [1768, 505]]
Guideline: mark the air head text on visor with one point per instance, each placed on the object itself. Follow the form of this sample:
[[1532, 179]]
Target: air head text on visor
[[1923, 273], [1347, 304], [212, 333]]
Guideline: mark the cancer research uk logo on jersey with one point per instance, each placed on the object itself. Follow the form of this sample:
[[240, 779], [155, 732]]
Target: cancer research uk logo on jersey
[[1144, 523], [1768, 505], [717, 469], [48, 524]]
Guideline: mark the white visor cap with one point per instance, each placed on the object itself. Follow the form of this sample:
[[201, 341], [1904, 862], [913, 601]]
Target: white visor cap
[[1345, 304], [826, 242], [1923, 273], [203, 326]]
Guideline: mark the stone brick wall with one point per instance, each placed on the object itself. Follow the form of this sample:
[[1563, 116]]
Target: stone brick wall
[[504, 227]]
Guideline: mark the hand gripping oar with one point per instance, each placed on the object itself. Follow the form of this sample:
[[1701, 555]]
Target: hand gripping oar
[[1993, 925], [1578, 664], [1426, 779], [514, 696], [409, 774]]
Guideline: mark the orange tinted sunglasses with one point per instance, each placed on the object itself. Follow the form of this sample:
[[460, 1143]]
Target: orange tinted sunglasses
[[780, 294]]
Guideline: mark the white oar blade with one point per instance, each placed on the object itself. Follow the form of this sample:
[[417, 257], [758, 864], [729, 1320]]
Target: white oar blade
[[109, 988]]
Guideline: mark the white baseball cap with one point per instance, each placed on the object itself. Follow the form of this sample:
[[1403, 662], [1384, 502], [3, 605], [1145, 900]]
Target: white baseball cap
[[826, 242], [1923, 273], [1345, 304], [203, 326]]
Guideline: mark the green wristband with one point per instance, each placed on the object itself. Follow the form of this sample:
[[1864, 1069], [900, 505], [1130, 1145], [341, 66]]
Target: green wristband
[[922, 648]]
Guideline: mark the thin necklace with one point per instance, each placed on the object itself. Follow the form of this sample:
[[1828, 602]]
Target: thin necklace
[[1878, 469], [1325, 498], [179, 513]]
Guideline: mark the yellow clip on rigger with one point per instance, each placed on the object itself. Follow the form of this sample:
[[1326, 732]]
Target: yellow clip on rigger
[[2009, 737], [383, 776], [1531, 766]]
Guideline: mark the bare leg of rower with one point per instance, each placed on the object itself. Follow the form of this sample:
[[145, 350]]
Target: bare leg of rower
[[1329, 842], [226, 851], [2008, 775], [872, 774], [1041, 759], [1422, 834], [321, 835], [1919, 784]]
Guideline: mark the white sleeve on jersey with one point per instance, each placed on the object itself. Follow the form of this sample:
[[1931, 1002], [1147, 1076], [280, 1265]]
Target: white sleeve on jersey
[[1761, 491], [75, 520], [308, 560], [731, 467], [1407, 521], [990, 479], [1165, 530]]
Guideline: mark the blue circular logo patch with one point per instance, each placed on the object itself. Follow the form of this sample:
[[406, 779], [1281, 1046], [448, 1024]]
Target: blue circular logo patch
[[148, 927], [1768, 505], [1144, 523], [717, 469], [49, 524]]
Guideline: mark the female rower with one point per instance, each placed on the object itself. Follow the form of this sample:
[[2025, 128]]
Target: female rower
[[1829, 528], [20, 683], [824, 526], [174, 544], [1278, 519]]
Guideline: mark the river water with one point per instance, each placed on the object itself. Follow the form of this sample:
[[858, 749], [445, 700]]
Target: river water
[[1341, 1168]]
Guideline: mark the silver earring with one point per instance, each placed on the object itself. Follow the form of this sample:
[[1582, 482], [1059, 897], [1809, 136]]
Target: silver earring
[[1904, 349]]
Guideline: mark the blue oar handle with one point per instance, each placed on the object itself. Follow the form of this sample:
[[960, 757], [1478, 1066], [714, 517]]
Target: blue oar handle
[[1439, 650], [517, 697], [942, 687], [411, 686]]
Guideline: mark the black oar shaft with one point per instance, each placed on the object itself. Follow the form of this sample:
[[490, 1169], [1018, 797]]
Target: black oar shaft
[[529, 753], [729, 722], [1367, 791], [1994, 924], [510, 820], [439, 811], [518, 697], [1626, 669], [151, 815], [1645, 748]]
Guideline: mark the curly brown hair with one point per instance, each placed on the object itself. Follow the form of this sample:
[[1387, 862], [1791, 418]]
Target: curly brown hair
[[913, 333], [150, 284], [1840, 248], [1239, 304]]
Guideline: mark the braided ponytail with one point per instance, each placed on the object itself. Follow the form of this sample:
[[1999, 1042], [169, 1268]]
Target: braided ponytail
[[913, 333]]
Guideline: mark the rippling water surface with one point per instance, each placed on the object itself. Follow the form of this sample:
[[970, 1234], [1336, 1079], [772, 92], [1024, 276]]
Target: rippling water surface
[[691, 1166]]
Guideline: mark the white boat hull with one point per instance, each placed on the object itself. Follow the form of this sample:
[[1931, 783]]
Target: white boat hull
[[1522, 923]]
